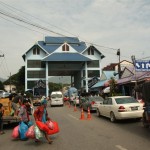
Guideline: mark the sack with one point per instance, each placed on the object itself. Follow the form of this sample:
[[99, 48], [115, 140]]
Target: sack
[[38, 133], [50, 124], [22, 130], [15, 132], [30, 132], [30, 123], [42, 126], [55, 129]]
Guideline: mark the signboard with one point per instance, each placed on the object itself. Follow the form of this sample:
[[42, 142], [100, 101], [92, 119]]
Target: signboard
[[143, 65], [92, 81]]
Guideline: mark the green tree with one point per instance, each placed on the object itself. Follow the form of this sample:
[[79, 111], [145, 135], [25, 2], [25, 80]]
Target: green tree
[[18, 80], [112, 84], [1, 85]]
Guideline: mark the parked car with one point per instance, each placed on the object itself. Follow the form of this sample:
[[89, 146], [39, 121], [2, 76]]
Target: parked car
[[120, 107], [92, 102], [56, 98], [4, 94]]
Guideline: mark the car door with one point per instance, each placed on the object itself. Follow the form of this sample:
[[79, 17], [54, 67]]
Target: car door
[[108, 108], [103, 107]]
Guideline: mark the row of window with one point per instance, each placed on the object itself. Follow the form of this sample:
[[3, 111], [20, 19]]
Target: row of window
[[40, 64], [42, 74]]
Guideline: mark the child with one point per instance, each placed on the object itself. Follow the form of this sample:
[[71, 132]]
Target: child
[[1, 118]]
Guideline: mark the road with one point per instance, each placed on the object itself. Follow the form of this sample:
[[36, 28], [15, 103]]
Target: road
[[76, 134]]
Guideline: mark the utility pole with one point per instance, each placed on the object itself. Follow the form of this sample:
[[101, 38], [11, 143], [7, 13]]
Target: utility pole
[[119, 67], [10, 82]]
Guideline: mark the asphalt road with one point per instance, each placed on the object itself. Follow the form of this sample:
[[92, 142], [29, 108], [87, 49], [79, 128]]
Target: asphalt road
[[76, 134]]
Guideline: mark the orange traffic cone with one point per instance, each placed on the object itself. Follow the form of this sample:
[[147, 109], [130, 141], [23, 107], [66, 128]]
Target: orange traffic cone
[[75, 108], [89, 114], [82, 115]]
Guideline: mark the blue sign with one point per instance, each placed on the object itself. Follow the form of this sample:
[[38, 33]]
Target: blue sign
[[143, 65]]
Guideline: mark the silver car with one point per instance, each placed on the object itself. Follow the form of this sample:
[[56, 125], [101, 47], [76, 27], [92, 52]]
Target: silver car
[[4, 94]]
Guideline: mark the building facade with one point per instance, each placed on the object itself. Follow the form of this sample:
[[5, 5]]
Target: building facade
[[61, 56]]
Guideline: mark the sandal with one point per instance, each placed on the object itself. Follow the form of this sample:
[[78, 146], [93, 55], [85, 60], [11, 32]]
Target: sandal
[[50, 142]]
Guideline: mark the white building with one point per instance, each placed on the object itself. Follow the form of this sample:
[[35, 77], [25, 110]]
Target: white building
[[61, 56]]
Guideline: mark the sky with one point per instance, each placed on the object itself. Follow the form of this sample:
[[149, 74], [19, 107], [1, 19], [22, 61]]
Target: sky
[[107, 24]]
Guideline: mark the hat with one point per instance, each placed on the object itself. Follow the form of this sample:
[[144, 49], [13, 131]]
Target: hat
[[44, 101]]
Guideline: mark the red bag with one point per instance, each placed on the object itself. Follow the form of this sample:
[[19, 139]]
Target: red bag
[[42, 126], [15, 133], [50, 124], [55, 129], [30, 132]]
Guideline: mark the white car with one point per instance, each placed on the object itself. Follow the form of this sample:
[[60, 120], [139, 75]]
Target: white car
[[56, 98], [120, 107]]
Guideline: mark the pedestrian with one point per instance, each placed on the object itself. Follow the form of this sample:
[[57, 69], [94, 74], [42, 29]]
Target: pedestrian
[[23, 113], [16, 103], [1, 118], [41, 114]]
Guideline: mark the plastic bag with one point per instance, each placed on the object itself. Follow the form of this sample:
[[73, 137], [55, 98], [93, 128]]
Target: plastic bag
[[42, 126], [50, 124], [22, 130], [30, 132], [55, 129], [38, 133], [30, 123], [15, 132]]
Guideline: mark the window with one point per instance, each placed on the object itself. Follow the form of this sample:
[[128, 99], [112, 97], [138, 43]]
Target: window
[[109, 101], [65, 47], [90, 51], [36, 51], [36, 74], [35, 64], [94, 63], [93, 73]]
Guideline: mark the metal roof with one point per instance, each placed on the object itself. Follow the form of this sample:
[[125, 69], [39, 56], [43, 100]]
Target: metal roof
[[66, 57], [52, 47], [99, 84], [61, 40]]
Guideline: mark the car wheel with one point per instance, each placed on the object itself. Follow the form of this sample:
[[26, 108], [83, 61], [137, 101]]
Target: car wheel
[[112, 117], [98, 113]]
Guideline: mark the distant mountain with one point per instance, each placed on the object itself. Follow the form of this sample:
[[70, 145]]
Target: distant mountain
[[1, 79], [60, 79]]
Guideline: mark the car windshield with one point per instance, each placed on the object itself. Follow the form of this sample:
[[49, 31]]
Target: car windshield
[[126, 100], [56, 96]]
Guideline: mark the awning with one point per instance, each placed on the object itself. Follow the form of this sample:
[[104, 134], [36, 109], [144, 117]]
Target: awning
[[106, 90]]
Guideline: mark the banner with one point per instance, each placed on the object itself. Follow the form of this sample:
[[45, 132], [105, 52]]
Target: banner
[[142, 65]]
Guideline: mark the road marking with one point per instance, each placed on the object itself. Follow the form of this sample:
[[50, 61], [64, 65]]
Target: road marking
[[73, 117], [120, 147]]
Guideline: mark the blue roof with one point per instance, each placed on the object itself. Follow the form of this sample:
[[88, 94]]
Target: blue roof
[[66, 57], [52, 47], [109, 74], [100, 83], [61, 40]]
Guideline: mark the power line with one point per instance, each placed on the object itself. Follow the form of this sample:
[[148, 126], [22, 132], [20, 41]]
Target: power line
[[56, 27]]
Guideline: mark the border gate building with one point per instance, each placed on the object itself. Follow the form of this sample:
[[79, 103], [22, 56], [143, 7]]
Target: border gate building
[[62, 56]]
